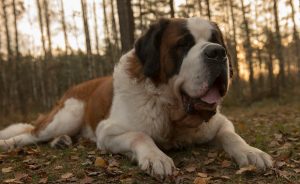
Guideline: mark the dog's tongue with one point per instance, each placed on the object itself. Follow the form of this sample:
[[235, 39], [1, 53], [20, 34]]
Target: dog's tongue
[[212, 96]]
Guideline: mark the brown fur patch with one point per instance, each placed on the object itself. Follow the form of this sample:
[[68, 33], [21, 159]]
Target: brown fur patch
[[97, 96]]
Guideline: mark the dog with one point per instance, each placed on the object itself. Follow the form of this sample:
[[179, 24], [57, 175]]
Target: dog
[[164, 93]]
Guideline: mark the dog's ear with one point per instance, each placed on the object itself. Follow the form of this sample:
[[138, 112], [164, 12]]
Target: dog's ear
[[147, 49]]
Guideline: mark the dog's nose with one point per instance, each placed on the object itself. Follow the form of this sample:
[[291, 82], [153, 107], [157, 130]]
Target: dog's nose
[[215, 52]]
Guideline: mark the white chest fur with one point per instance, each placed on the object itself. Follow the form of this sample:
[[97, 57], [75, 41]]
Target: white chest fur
[[140, 106]]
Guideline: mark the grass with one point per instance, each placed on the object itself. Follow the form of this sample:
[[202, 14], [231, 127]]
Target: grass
[[271, 125]]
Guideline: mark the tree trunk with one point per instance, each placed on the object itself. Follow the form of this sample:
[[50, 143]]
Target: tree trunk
[[41, 23], [200, 6], [86, 28], [208, 9], [171, 4], [64, 28], [114, 26], [16, 30], [5, 16], [278, 46], [96, 28], [90, 61], [106, 31], [234, 56], [47, 19], [126, 24], [296, 37], [249, 51]]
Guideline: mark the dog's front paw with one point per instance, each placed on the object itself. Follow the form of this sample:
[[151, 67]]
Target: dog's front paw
[[156, 163], [249, 155]]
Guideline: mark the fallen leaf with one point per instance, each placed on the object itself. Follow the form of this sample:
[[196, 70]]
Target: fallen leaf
[[100, 162], [191, 168], [297, 171], [200, 180], [66, 175], [202, 175], [86, 180], [279, 164], [212, 154], [7, 170], [20, 176], [33, 166], [250, 168], [58, 167], [226, 163], [209, 161], [43, 180], [11, 181]]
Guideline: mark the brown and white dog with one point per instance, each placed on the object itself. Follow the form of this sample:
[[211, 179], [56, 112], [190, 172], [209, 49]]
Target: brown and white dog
[[164, 93]]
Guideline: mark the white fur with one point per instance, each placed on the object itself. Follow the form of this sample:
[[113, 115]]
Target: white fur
[[88, 133], [139, 115], [67, 121], [14, 130]]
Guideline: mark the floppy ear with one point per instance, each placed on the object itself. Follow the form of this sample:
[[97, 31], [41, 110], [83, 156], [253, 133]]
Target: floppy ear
[[147, 48]]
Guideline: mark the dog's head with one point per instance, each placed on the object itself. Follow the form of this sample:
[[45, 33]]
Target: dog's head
[[192, 53]]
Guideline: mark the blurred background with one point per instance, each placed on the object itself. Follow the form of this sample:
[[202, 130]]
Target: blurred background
[[47, 46]]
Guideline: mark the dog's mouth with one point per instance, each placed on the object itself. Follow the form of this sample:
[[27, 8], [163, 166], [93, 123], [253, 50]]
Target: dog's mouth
[[207, 101]]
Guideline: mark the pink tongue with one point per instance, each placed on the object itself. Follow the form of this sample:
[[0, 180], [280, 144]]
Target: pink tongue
[[212, 96]]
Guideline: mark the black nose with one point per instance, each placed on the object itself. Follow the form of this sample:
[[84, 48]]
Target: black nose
[[215, 52]]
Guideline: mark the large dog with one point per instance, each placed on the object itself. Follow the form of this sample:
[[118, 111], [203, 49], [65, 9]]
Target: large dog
[[164, 93]]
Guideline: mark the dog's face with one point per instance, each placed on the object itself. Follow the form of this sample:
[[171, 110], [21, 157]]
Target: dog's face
[[192, 52]]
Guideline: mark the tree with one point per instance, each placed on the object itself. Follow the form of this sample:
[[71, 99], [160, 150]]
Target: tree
[[64, 27], [208, 9], [16, 30], [126, 24], [278, 46], [86, 28], [7, 32], [172, 13], [96, 27], [47, 20], [295, 36], [41, 23], [249, 50]]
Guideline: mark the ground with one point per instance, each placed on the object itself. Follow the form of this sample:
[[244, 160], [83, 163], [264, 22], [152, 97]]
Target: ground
[[271, 125]]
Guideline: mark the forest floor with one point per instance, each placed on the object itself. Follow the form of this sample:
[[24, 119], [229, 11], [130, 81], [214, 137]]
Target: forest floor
[[271, 125]]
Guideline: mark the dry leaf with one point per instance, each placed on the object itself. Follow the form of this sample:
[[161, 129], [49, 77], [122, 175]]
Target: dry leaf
[[66, 175], [190, 168], [200, 180], [202, 175], [209, 161], [6, 169], [58, 167], [226, 163], [100, 162], [20, 176], [212, 154], [86, 180], [11, 181], [297, 171], [43, 180], [280, 164], [250, 168]]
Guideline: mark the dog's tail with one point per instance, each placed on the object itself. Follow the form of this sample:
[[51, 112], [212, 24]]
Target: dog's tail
[[15, 129]]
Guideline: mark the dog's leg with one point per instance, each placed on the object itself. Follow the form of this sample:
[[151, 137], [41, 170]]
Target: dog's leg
[[140, 146], [61, 142], [235, 146], [67, 121]]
